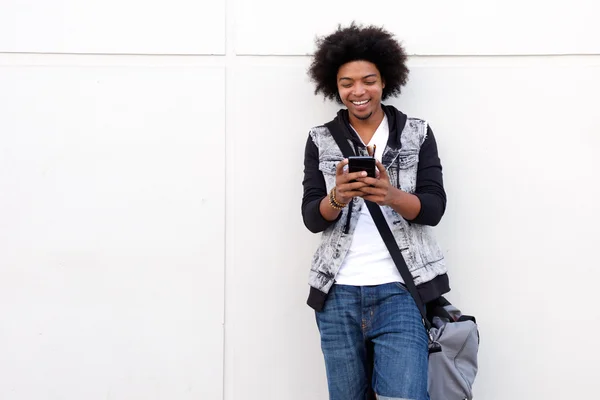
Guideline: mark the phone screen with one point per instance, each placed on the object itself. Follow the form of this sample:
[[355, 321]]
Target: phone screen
[[362, 163]]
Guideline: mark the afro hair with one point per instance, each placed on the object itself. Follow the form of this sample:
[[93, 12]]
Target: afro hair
[[358, 43]]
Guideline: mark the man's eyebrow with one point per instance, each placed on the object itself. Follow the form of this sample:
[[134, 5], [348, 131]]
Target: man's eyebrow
[[364, 77]]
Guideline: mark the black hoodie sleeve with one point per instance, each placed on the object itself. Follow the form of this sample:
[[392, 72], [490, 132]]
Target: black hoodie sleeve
[[430, 185], [314, 190]]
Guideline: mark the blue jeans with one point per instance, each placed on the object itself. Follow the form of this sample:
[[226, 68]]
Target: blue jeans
[[384, 320]]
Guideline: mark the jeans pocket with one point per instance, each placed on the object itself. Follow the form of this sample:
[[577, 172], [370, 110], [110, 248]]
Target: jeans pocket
[[401, 286]]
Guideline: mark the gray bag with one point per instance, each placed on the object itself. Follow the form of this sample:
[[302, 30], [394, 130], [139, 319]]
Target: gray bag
[[452, 371]]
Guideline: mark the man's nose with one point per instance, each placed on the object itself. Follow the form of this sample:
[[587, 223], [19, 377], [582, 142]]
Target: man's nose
[[359, 89]]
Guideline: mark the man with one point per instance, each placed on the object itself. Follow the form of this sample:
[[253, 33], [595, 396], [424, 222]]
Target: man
[[372, 335]]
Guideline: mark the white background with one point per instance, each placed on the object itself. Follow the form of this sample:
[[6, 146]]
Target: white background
[[151, 243]]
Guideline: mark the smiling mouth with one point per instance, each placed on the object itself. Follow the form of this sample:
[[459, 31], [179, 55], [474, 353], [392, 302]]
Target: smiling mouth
[[360, 103]]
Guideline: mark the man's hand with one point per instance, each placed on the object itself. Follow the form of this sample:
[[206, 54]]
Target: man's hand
[[378, 190], [348, 185]]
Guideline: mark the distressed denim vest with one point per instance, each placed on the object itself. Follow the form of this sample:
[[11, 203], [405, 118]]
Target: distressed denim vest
[[417, 242]]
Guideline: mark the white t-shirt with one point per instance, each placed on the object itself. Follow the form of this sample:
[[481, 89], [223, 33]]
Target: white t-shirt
[[368, 261]]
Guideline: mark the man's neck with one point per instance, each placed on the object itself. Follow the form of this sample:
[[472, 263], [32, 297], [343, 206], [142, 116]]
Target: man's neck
[[366, 127]]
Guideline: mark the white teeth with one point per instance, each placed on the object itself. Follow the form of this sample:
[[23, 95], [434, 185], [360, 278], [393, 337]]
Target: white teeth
[[360, 103]]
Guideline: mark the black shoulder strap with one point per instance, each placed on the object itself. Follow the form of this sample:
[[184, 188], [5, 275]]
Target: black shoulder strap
[[382, 226], [336, 131]]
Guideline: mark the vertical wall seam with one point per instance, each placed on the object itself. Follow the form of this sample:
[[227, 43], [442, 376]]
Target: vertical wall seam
[[228, 15]]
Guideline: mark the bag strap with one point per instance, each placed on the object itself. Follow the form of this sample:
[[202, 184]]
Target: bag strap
[[383, 227], [392, 246]]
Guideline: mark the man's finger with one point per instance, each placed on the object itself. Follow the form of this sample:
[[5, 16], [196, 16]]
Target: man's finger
[[355, 193], [339, 169], [372, 190], [383, 173], [352, 186], [353, 176], [371, 181]]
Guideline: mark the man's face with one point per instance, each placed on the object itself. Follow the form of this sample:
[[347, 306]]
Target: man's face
[[360, 87]]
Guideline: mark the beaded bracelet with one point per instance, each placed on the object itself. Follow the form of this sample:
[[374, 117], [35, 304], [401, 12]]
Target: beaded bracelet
[[334, 202]]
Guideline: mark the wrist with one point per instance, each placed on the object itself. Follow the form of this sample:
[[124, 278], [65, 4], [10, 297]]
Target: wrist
[[343, 200], [336, 201], [394, 197]]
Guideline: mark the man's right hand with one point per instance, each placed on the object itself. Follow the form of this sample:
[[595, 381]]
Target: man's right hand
[[345, 188]]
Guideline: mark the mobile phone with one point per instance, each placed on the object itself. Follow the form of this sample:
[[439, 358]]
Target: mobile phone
[[362, 163]]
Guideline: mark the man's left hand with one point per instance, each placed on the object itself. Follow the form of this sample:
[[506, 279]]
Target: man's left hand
[[379, 190]]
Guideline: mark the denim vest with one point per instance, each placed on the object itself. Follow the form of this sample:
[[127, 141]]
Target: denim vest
[[421, 252]]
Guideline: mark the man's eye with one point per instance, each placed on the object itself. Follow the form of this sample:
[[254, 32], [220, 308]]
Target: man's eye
[[346, 86], [371, 83]]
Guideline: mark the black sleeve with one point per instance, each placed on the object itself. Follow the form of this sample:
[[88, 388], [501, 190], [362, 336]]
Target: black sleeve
[[430, 185], [314, 190]]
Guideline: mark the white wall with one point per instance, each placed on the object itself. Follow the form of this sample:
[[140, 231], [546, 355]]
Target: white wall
[[135, 137]]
